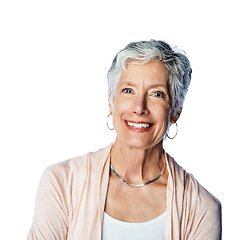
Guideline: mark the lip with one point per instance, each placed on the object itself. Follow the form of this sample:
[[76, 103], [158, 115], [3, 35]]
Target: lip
[[139, 130]]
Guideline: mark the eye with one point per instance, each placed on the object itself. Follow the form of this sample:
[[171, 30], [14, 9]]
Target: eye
[[159, 94], [127, 90]]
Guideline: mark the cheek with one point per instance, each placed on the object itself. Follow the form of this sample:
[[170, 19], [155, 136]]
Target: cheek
[[120, 106], [163, 113], [118, 111], [163, 119]]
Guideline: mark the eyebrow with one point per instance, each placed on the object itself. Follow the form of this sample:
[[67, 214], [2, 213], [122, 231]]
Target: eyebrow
[[151, 86], [158, 85], [128, 83]]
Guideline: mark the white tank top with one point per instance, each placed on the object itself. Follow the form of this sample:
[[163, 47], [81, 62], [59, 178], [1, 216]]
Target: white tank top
[[155, 229]]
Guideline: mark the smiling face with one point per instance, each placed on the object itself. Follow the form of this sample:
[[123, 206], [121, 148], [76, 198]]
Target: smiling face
[[141, 111]]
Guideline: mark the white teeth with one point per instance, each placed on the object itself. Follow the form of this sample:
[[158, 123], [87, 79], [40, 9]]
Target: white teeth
[[138, 125]]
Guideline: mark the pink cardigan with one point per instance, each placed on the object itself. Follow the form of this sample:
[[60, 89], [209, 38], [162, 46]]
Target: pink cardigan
[[71, 198]]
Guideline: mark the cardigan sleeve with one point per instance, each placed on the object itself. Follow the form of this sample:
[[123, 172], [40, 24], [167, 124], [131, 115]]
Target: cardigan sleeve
[[51, 215], [204, 218]]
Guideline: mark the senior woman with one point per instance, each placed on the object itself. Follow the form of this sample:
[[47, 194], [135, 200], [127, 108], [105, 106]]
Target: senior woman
[[131, 189]]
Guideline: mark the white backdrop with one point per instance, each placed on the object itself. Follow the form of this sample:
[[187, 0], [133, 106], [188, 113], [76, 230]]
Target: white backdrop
[[54, 56]]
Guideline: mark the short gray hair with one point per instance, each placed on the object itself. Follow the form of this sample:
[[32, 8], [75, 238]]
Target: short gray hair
[[176, 62]]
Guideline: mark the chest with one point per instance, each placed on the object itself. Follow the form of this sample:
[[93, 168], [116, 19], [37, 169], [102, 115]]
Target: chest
[[155, 229], [135, 205]]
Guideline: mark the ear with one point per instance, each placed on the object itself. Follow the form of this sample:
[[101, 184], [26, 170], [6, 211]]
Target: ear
[[110, 106], [176, 116]]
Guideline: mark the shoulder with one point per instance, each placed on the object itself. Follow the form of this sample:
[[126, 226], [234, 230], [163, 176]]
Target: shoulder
[[76, 168], [199, 210], [62, 170], [203, 196], [190, 187]]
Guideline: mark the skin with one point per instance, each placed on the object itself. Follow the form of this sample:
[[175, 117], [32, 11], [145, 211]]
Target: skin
[[142, 96]]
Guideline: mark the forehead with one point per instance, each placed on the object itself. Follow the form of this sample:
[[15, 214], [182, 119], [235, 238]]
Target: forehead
[[152, 72]]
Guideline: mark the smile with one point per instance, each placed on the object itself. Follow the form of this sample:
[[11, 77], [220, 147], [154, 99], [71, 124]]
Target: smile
[[140, 125]]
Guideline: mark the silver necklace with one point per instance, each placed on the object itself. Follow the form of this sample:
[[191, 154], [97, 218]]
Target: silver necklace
[[143, 184]]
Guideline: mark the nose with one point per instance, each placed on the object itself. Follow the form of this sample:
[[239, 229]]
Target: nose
[[140, 105]]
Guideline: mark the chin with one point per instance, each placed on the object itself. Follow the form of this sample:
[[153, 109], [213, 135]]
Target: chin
[[140, 144]]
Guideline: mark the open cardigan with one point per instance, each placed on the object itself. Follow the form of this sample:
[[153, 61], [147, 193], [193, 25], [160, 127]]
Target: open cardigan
[[71, 199]]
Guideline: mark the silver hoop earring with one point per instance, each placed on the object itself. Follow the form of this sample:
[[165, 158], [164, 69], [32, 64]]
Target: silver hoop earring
[[107, 122], [175, 133]]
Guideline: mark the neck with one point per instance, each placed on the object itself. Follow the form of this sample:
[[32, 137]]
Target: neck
[[137, 165]]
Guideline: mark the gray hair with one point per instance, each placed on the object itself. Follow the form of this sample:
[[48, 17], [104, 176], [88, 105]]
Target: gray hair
[[176, 62]]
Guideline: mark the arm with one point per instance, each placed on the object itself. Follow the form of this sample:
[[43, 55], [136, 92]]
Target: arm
[[51, 210], [205, 215]]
